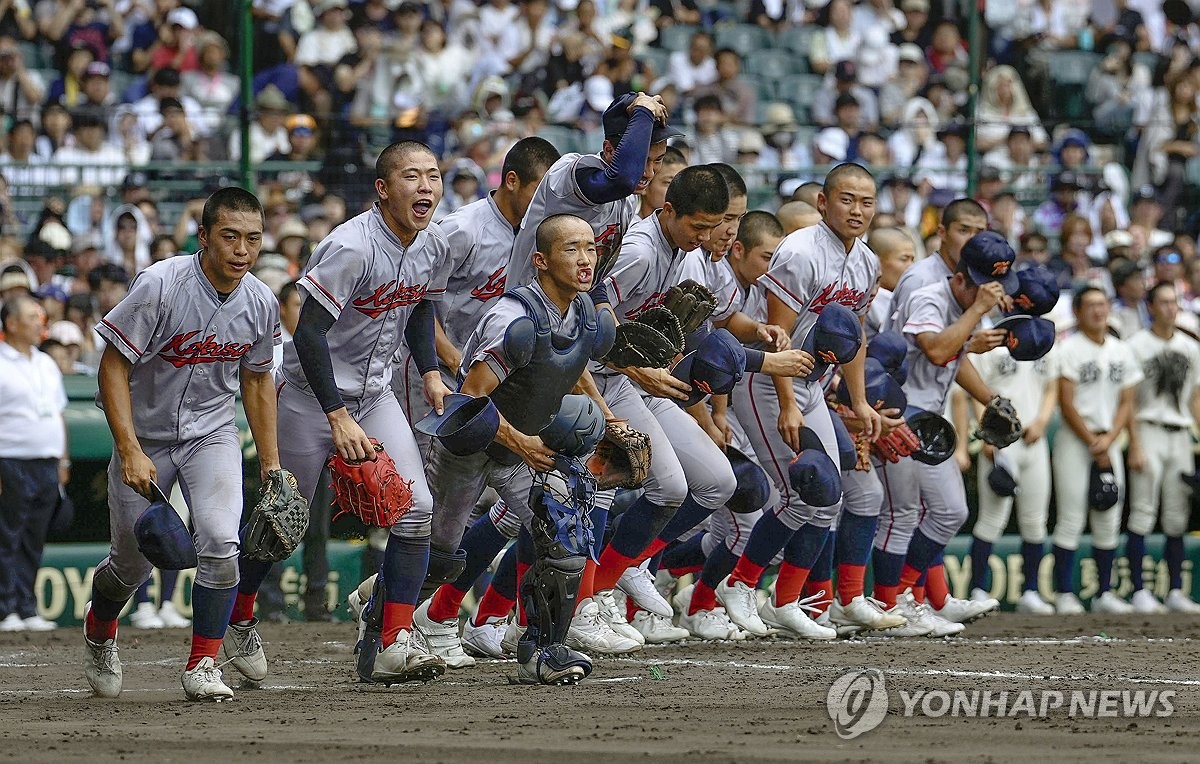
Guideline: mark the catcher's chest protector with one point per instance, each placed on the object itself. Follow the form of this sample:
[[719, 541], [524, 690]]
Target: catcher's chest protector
[[529, 396]]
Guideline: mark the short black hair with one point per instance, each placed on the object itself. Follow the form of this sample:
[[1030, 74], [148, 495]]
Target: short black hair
[[709, 101], [756, 226], [1084, 291], [727, 51], [105, 272], [529, 158], [961, 208], [845, 169], [18, 124], [390, 157], [547, 229], [733, 178], [1153, 291], [286, 291], [965, 271], [12, 305], [673, 157], [232, 198], [698, 189]]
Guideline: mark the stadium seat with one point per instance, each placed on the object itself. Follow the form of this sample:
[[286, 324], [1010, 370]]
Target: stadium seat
[[770, 63], [1069, 72], [743, 38], [798, 90], [676, 37], [763, 86], [798, 39]]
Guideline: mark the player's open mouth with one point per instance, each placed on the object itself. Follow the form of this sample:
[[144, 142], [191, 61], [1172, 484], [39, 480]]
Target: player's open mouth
[[584, 276], [422, 208], [239, 266], [641, 186]]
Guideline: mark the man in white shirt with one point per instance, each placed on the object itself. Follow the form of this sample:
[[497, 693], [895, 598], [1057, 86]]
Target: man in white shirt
[[91, 161], [32, 463], [695, 67]]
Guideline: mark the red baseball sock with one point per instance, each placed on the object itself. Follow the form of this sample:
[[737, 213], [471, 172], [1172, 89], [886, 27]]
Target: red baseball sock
[[243, 608], [202, 647], [789, 583], [492, 604], [703, 598], [849, 581], [631, 609], [918, 593], [587, 584], [936, 587], [522, 569], [445, 603], [99, 631], [908, 577], [814, 588], [396, 616], [612, 565], [680, 572], [886, 595], [747, 572]]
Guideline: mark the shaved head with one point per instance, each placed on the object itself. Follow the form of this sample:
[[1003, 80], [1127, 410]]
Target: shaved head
[[885, 240], [807, 193], [551, 230], [796, 215]]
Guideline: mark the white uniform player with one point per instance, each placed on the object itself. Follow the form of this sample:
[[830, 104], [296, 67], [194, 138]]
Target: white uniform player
[[1098, 379], [1161, 448]]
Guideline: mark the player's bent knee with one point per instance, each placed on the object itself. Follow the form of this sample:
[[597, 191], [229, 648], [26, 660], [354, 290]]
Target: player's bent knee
[[1141, 522], [217, 572], [506, 520], [667, 491], [120, 585]]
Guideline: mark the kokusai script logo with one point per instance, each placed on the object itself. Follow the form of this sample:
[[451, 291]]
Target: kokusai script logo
[[857, 702], [493, 288], [181, 351], [393, 294]]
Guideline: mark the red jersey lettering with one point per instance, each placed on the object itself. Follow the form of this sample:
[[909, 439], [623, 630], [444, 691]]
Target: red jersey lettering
[[180, 351], [391, 295], [492, 289], [843, 295]]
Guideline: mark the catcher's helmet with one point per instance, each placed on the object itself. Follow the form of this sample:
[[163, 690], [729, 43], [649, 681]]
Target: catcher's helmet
[[813, 475], [714, 367], [466, 426], [576, 428], [989, 258], [835, 338], [163, 537], [937, 435]]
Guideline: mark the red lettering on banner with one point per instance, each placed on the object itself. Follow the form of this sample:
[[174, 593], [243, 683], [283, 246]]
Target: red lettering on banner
[[391, 295], [180, 351]]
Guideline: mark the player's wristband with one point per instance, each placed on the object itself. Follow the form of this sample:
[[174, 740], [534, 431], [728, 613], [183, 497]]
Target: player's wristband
[[754, 360]]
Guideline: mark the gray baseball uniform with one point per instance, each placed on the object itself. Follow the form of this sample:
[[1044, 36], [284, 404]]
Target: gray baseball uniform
[[370, 283], [809, 270], [932, 496], [926, 271], [187, 346], [559, 193]]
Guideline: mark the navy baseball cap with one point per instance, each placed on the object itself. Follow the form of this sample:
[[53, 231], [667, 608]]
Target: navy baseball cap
[[162, 536], [467, 425], [834, 339], [1029, 337], [891, 350], [813, 475], [990, 258], [1002, 478], [1037, 292], [883, 391], [713, 368], [616, 119]]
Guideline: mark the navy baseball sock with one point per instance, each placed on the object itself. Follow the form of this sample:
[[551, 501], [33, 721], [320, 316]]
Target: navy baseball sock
[[143, 592], [1031, 563], [720, 563], [639, 525], [253, 573], [404, 565], [855, 534], [1135, 550], [655, 564], [101, 622], [599, 524], [688, 553], [211, 609], [769, 536], [501, 594], [688, 516], [1064, 570], [1104, 564], [1173, 554], [166, 584], [886, 567], [482, 542], [980, 552]]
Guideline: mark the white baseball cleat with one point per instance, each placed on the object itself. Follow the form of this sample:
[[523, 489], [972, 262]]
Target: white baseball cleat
[[705, 624], [441, 637], [512, 635], [794, 619], [171, 618], [914, 624], [1178, 602], [1031, 603], [1066, 603], [741, 603], [407, 660], [965, 611], [924, 615], [638, 583], [103, 669], [12, 622], [862, 613], [485, 640], [615, 617], [204, 682], [37, 623], [243, 647], [979, 595], [145, 616], [656, 629], [1110, 603], [590, 632], [1144, 601]]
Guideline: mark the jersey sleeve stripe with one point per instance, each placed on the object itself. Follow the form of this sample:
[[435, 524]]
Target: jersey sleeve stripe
[[908, 328], [121, 336], [491, 352], [779, 284], [324, 291]]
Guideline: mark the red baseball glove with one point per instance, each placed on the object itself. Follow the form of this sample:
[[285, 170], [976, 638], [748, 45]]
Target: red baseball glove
[[371, 490]]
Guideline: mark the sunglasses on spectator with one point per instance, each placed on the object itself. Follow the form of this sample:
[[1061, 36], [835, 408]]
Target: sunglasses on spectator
[[1169, 258]]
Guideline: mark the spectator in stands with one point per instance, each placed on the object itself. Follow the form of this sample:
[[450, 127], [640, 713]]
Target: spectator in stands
[[174, 140], [143, 33], [43, 259], [1063, 201], [1008, 217], [321, 48], [1016, 159], [917, 133], [27, 173], [1169, 266], [777, 15], [209, 84], [1004, 104], [1129, 313], [71, 23], [68, 88], [877, 59], [739, 100], [694, 68], [16, 20], [91, 160], [162, 248], [877, 14], [526, 44], [947, 48], [495, 18], [837, 41], [33, 463], [847, 117], [443, 67], [1170, 140], [129, 247], [176, 47], [96, 96], [944, 166], [21, 90], [167, 83], [675, 12], [779, 130], [274, 36], [69, 340], [898, 197], [906, 84], [267, 132], [1074, 238], [712, 139], [916, 30], [1118, 89], [109, 283], [830, 146], [298, 185], [845, 82], [1146, 216]]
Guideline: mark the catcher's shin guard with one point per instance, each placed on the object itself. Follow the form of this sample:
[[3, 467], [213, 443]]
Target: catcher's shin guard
[[444, 568], [548, 592], [372, 633], [554, 664]]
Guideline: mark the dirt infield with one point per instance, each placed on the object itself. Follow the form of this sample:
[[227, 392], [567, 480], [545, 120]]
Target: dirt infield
[[749, 702]]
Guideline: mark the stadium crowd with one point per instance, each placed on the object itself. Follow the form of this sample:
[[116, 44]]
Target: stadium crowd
[[121, 117]]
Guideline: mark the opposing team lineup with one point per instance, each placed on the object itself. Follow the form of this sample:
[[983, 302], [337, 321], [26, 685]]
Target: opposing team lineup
[[600, 396]]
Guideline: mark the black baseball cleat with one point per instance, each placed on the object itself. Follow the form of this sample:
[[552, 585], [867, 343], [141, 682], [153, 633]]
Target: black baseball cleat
[[551, 665]]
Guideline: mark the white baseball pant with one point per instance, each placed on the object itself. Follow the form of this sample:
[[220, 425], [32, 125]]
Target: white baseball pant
[[1033, 495], [1072, 468], [1168, 453], [928, 496]]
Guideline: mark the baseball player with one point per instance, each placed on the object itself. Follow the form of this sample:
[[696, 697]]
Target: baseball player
[[796, 215], [188, 334], [925, 504], [811, 268], [1024, 467], [655, 193], [1160, 446], [597, 187], [896, 252], [1098, 376], [526, 379], [369, 286]]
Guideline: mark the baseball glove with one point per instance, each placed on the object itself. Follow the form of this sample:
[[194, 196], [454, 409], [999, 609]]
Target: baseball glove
[[692, 303], [999, 425], [652, 340], [371, 490], [277, 524], [622, 458], [897, 444]]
